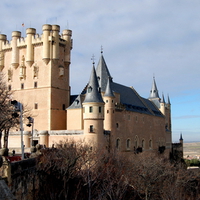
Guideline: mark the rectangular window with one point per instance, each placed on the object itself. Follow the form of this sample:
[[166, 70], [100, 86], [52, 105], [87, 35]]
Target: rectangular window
[[99, 109], [9, 87], [36, 106], [91, 129], [22, 86], [35, 84], [90, 109]]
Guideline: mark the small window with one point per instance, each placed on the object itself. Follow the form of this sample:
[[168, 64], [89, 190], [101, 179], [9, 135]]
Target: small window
[[100, 109], [143, 144], [36, 106], [118, 143], [128, 144], [90, 109], [117, 125], [22, 86], [136, 142], [35, 84], [63, 107], [9, 87], [150, 144], [91, 129], [89, 89], [106, 101], [107, 111]]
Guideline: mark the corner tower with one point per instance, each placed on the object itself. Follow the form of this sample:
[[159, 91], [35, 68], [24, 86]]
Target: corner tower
[[109, 99], [93, 114]]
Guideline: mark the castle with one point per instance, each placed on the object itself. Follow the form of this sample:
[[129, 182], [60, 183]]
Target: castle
[[108, 114]]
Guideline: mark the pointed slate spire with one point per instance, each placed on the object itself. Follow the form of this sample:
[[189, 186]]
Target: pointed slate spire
[[93, 94], [162, 99], [109, 92], [181, 137], [154, 90], [168, 100], [102, 73]]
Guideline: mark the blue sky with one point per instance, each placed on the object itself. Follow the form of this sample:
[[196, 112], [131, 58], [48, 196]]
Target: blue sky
[[140, 39]]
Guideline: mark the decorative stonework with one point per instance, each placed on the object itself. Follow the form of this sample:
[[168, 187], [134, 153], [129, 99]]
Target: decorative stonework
[[10, 74], [61, 71], [35, 71], [22, 69]]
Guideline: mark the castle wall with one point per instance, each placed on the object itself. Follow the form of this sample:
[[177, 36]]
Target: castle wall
[[74, 119], [141, 130]]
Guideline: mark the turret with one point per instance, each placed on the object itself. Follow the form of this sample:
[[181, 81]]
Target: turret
[[30, 50], [3, 38], [56, 30], [162, 104], [15, 51], [168, 106], [154, 96], [181, 139], [66, 35], [109, 99], [46, 43], [93, 115]]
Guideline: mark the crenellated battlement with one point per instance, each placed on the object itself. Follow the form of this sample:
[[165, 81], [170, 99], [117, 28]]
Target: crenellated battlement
[[50, 39]]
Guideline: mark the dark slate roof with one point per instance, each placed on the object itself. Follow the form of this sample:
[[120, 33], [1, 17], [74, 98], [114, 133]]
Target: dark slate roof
[[133, 101], [93, 92], [162, 99], [102, 73], [153, 107], [77, 103], [109, 92], [168, 101], [154, 90]]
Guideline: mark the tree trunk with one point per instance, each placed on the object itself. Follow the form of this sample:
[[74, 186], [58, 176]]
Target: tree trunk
[[5, 145], [0, 139]]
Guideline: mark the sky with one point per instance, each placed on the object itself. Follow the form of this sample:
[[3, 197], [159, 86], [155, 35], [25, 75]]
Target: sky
[[141, 39]]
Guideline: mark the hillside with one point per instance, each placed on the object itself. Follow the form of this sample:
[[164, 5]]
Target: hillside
[[191, 149]]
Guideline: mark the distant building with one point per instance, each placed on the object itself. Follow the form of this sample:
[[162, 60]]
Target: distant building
[[108, 114]]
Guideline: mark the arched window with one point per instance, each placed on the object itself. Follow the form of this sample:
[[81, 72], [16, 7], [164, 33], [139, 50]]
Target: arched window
[[136, 142], [118, 143], [143, 144], [150, 144], [128, 144]]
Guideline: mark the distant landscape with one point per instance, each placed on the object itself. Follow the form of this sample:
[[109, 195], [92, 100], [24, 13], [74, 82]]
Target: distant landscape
[[191, 149]]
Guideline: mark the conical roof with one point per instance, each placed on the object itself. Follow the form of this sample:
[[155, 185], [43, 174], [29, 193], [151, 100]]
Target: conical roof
[[93, 94], [162, 99], [154, 90], [168, 100], [102, 73], [109, 92]]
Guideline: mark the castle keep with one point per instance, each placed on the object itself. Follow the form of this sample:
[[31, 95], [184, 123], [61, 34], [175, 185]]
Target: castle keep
[[106, 113]]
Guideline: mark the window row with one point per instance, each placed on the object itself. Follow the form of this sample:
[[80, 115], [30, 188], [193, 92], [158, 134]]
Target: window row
[[22, 86], [136, 144], [91, 109]]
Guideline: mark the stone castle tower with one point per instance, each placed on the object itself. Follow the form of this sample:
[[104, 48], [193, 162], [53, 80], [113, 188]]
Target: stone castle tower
[[36, 69]]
